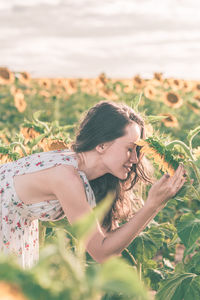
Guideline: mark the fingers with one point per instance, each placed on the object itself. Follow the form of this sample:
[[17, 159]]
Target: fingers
[[179, 174], [164, 178], [180, 171], [179, 178]]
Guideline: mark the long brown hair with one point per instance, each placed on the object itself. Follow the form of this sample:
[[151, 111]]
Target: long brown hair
[[105, 122]]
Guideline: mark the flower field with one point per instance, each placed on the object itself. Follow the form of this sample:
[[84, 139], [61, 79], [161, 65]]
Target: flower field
[[163, 261]]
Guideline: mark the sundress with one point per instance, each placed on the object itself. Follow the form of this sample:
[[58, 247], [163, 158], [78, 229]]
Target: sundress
[[19, 222]]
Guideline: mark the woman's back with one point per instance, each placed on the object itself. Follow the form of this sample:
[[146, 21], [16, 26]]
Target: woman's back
[[19, 214]]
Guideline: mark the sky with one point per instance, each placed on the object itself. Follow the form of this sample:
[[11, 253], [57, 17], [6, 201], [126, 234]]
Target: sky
[[83, 38]]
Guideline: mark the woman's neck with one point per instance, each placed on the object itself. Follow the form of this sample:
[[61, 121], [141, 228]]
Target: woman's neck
[[91, 164]]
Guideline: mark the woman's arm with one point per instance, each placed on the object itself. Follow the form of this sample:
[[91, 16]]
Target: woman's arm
[[68, 188]]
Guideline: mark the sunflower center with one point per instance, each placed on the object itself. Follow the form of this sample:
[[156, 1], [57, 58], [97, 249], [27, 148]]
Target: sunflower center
[[172, 98], [138, 80], [4, 74], [176, 82], [169, 119], [197, 98], [198, 86]]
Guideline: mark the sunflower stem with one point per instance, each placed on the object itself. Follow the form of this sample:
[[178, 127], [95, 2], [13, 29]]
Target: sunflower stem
[[20, 145], [139, 268], [196, 171], [195, 191], [183, 145]]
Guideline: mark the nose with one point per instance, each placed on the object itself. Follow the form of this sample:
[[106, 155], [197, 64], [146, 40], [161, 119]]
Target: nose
[[133, 158]]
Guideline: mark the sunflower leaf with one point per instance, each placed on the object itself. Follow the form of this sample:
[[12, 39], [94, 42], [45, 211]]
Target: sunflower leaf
[[189, 228], [146, 245], [153, 119], [136, 101], [180, 286]]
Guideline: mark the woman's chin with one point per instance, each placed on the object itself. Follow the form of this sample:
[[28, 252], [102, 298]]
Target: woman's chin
[[123, 176]]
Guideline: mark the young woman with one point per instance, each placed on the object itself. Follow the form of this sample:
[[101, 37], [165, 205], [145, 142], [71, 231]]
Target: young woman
[[51, 185]]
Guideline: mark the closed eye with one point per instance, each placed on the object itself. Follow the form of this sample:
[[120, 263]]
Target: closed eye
[[138, 148]]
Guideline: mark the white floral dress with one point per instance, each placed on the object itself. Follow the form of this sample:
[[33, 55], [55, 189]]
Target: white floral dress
[[18, 221]]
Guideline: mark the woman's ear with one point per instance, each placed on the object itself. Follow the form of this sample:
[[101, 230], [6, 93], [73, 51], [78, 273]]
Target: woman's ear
[[101, 148]]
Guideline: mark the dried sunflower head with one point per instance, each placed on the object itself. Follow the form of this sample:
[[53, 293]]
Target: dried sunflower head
[[166, 159]]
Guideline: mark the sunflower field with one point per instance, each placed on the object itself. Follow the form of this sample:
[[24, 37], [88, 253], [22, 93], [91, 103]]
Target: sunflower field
[[163, 261]]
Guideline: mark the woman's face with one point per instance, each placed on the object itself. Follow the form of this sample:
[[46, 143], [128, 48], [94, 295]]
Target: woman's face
[[120, 154]]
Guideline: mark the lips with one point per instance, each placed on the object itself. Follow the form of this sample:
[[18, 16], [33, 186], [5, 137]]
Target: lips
[[128, 168]]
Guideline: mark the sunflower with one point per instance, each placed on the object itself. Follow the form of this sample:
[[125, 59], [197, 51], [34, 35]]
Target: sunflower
[[18, 150], [6, 76], [128, 85], [85, 85], [44, 94], [157, 80], [118, 86], [170, 121], [196, 87], [197, 98], [150, 92], [48, 144], [3, 138], [19, 101], [102, 77], [57, 92], [24, 77], [166, 160], [194, 106], [108, 94], [45, 83], [196, 153], [11, 291], [158, 76], [29, 133], [4, 158], [173, 99], [70, 86], [138, 82], [175, 84], [89, 86], [188, 86], [100, 82], [59, 82]]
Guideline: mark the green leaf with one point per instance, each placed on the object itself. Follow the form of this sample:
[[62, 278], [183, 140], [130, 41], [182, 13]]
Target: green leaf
[[116, 276], [153, 277], [36, 140], [190, 250], [189, 228], [153, 119], [193, 289], [168, 229], [85, 225], [136, 101], [63, 223], [179, 286], [146, 245], [193, 265]]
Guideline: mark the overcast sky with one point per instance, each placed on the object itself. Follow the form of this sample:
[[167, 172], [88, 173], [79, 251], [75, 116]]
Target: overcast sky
[[82, 38]]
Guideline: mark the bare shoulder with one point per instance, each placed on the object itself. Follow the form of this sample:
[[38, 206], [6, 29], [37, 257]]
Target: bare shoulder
[[63, 172], [68, 188]]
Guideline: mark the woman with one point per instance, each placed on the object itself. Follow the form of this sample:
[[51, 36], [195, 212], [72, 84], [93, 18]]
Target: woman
[[51, 185]]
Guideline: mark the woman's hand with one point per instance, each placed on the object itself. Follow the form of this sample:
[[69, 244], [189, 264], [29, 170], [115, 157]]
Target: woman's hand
[[165, 188]]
